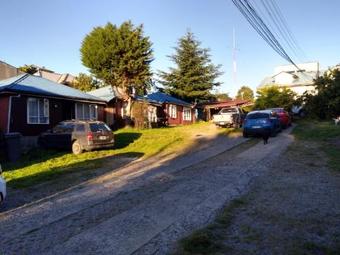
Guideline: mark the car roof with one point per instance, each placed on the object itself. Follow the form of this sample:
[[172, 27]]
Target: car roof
[[261, 111], [81, 121]]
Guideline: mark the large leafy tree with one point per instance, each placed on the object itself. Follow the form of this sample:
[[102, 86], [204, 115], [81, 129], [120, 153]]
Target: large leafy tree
[[245, 93], [326, 102], [120, 56], [86, 82], [222, 97], [194, 75], [273, 96]]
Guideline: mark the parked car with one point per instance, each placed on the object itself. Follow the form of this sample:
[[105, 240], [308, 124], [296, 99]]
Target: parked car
[[258, 122], [284, 117], [2, 187], [78, 135], [229, 117]]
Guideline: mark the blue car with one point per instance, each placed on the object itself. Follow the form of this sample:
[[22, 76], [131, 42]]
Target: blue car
[[261, 122]]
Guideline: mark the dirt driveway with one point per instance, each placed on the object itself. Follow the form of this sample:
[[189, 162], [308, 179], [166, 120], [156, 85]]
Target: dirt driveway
[[143, 208]]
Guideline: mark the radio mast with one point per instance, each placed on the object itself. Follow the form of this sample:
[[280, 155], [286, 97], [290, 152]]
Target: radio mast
[[234, 59]]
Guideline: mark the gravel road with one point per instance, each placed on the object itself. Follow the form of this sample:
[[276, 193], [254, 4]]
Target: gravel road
[[142, 208]]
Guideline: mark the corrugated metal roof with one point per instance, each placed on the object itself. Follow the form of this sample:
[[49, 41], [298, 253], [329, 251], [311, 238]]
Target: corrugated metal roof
[[26, 83], [106, 93], [165, 98], [230, 103]]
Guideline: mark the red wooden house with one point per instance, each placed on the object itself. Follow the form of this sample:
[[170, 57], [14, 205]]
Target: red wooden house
[[173, 110], [31, 105]]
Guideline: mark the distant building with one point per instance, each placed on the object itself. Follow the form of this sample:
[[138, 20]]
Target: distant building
[[66, 78], [8, 71], [298, 80]]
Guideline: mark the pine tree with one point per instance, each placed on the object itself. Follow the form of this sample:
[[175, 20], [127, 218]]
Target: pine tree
[[194, 75]]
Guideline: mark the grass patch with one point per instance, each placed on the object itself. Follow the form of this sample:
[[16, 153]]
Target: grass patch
[[43, 165], [209, 240], [326, 134]]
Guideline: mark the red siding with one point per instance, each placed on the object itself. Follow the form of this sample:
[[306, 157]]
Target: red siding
[[4, 103], [179, 118], [59, 110]]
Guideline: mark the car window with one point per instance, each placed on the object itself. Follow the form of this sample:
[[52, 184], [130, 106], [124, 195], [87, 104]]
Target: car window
[[97, 127], [63, 128], [80, 128], [227, 110], [258, 115]]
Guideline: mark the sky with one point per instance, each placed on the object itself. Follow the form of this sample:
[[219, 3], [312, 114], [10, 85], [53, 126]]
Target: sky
[[49, 33]]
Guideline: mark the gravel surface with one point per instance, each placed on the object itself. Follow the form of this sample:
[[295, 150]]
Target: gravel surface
[[142, 208], [293, 209], [52, 223]]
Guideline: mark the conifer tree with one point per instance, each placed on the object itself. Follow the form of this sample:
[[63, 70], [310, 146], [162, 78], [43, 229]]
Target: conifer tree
[[194, 75]]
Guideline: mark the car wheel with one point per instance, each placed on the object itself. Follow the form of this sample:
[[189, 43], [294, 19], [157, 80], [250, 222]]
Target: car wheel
[[76, 148], [236, 125], [1, 198]]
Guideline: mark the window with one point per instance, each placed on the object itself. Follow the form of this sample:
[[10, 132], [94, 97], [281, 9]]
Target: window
[[86, 111], [63, 127], [257, 115], [80, 128], [99, 127], [38, 111], [172, 111], [228, 110], [124, 109], [187, 114]]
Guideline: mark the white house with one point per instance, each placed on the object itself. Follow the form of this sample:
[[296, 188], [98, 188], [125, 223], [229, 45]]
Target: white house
[[298, 80]]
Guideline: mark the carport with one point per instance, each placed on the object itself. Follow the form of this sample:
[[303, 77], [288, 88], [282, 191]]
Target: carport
[[207, 110]]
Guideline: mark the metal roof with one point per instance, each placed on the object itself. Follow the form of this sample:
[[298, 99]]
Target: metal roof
[[165, 98], [229, 103], [106, 93], [29, 84]]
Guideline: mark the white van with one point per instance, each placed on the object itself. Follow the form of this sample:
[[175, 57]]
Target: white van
[[2, 187]]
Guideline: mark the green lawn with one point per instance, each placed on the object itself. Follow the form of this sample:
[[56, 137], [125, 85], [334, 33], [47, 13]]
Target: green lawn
[[39, 166], [326, 134]]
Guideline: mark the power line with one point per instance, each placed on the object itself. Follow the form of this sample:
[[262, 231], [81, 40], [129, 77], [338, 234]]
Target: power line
[[248, 11], [280, 27], [285, 24]]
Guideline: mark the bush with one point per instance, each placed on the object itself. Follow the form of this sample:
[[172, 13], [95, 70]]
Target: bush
[[274, 96], [326, 103]]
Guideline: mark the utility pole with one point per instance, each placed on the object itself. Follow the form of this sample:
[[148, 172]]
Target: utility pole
[[234, 59]]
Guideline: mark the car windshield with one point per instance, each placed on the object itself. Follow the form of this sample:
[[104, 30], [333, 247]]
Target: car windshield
[[63, 127], [258, 115], [227, 110], [98, 127]]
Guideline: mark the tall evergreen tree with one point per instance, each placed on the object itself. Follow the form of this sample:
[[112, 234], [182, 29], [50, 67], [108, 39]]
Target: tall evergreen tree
[[119, 56], [194, 75]]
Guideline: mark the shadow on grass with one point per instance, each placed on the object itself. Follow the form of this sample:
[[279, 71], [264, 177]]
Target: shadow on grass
[[123, 140], [34, 156], [86, 169], [39, 155]]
